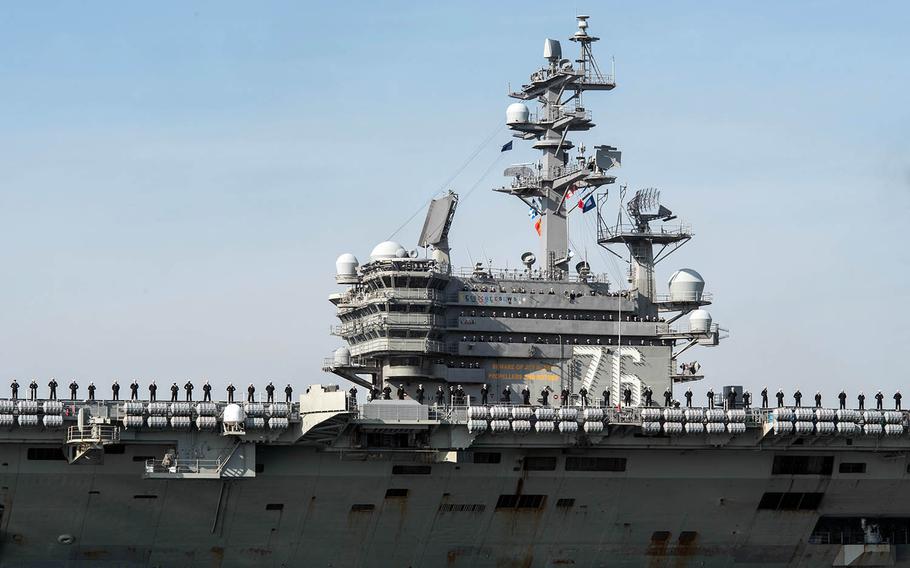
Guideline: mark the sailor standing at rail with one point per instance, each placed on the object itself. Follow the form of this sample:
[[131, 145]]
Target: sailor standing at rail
[[747, 399], [583, 393], [115, 390], [15, 388], [842, 397], [33, 390], [188, 387], [400, 392], [174, 390], [606, 397], [287, 392], [545, 396], [526, 396], [74, 389], [897, 400], [731, 399], [564, 394], [648, 394], [861, 399], [711, 398], [484, 394], [764, 397], [91, 391], [879, 397], [420, 394], [818, 399], [780, 398], [688, 398], [440, 396], [52, 385], [353, 395], [798, 398], [207, 392], [270, 392], [507, 394], [668, 397], [230, 392], [387, 393], [627, 396], [134, 390], [250, 391]]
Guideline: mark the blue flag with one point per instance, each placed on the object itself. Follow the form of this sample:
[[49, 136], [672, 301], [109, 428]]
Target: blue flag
[[507, 146], [587, 204]]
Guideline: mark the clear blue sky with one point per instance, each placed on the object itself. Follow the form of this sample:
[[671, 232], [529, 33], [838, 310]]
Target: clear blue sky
[[177, 179]]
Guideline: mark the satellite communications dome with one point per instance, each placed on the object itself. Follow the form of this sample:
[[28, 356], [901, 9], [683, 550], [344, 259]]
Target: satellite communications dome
[[686, 285], [346, 268], [342, 357], [700, 321], [388, 249], [517, 113], [233, 414]]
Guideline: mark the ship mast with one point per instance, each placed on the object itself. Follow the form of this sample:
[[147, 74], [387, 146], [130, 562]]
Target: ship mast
[[545, 186]]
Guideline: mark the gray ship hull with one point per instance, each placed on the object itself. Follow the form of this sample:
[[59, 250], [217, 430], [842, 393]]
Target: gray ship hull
[[316, 508]]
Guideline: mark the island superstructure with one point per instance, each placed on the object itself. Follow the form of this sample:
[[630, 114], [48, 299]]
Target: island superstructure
[[472, 427], [410, 321]]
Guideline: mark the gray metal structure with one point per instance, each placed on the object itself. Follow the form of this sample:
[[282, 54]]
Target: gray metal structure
[[412, 478]]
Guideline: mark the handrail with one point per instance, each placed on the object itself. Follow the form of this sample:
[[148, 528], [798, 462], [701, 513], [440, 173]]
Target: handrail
[[183, 465], [96, 433]]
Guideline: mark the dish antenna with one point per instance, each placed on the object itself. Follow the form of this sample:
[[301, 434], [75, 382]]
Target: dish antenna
[[528, 259]]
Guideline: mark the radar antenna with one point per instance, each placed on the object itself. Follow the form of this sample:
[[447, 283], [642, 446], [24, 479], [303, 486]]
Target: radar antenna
[[647, 229], [436, 226], [547, 187]]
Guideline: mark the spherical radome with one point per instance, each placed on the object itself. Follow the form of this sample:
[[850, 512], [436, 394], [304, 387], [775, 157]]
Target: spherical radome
[[346, 265], [388, 249], [517, 113], [686, 285]]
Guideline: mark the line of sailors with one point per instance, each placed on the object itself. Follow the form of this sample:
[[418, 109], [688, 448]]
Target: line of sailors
[[458, 397], [153, 391], [797, 399]]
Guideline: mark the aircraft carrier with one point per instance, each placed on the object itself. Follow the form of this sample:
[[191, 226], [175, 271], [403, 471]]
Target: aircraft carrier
[[488, 417]]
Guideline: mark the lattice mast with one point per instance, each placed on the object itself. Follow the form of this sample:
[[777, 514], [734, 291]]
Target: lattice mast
[[543, 186]]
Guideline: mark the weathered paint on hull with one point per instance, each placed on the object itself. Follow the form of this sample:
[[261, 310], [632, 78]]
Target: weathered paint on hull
[[309, 508]]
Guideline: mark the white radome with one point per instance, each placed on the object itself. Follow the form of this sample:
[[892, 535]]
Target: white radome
[[388, 249], [233, 414], [517, 113], [700, 321], [346, 266], [686, 285], [342, 356]]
